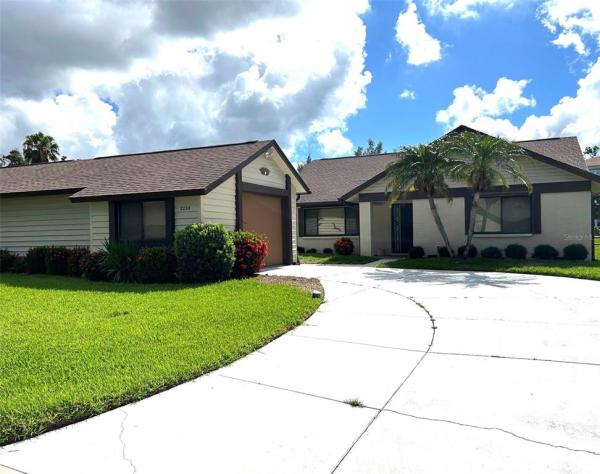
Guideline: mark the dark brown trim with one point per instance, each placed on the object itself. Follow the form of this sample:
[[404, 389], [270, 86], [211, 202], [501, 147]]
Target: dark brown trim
[[536, 211], [138, 197], [364, 185], [112, 220], [286, 217], [238, 201], [259, 189], [321, 204], [41, 193]]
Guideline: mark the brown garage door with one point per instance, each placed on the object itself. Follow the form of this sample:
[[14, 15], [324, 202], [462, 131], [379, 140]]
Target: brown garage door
[[262, 214]]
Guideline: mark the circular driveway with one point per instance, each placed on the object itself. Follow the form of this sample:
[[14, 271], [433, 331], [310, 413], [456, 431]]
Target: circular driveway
[[457, 372]]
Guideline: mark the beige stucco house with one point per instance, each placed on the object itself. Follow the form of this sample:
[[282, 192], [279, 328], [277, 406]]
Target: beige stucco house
[[349, 199], [146, 197]]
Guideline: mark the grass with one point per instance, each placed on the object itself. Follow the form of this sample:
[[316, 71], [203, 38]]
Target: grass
[[564, 268], [597, 246], [70, 348], [333, 258]]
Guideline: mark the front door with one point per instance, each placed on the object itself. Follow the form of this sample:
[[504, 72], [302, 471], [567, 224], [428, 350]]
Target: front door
[[402, 227]]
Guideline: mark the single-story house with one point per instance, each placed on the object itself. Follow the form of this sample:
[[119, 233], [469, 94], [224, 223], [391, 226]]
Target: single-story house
[[146, 197], [348, 199], [593, 165]]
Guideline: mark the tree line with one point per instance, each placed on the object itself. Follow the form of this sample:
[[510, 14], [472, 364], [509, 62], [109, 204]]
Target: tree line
[[37, 148]]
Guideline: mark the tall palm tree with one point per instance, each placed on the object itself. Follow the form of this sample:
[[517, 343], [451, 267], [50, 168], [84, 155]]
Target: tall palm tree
[[40, 148], [422, 168], [483, 161]]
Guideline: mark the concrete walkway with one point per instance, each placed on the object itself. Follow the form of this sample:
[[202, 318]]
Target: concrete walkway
[[458, 372]]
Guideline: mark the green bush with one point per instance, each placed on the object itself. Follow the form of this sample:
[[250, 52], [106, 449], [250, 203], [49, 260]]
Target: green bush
[[56, 260], [301, 249], [250, 252], [19, 264], [473, 252], [344, 246], [35, 260], [74, 259], [575, 252], [119, 259], [90, 265], [443, 251], [491, 252], [7, 260], [205, 252], [545, 252], [516, 251], [155, 265], [327, 251], [311, 251], [416, 252]]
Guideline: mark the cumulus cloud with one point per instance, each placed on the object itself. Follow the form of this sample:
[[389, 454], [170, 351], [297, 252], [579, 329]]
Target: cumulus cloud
[[408, 94], [575, 22], [573, 115], [422, 48], [463, 8], [334, 143], [189, 73]]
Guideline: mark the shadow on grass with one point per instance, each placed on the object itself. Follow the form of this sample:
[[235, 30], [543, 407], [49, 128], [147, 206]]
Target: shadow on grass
[[56, 282]]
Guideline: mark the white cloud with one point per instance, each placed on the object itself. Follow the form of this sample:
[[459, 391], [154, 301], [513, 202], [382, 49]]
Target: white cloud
[[192, 74], [472, 104], [334, 143], [407, 94], [575, 22], [411, 34], [576, 115], [463, 8]]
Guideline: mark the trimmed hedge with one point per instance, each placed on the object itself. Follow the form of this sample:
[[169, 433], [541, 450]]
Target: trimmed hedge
[[545, 252], [7, 260], [250, 252], [443, 251], [205, 252], [301, 249], [343, 246], [416, 252], [35, 260], [155, 265], [311, 251], [91, 267], [473, 252], [74, 259], [575, 252], [327, 251], [515, 251], [56, 260], [491, 252], [19, 264]]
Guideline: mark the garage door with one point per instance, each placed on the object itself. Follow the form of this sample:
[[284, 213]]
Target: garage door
[[262, 214]]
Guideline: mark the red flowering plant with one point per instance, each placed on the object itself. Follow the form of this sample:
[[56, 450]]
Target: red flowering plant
[[90, 266], [343, 246], [250, 252]]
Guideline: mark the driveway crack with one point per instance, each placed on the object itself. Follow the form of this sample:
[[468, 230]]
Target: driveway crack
[[124, 447], [493, 428]]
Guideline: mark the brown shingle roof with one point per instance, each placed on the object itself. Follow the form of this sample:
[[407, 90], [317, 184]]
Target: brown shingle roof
[[594, 161], [331, 178], [193, 169], [564, 149]]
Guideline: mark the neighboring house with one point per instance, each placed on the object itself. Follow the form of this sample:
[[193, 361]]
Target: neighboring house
[[593, 165], [348, 199], [146, 197]]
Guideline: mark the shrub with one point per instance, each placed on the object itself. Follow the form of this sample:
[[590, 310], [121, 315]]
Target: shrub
[[7, 260], [343, 246], [311, 251], [119, 259], [36, 260], [443, 251], [19, 264], [416, 252], [575, 252], [301, 250], [491, 252], [472, 251], [327, 250], [250, 252], [205, 252], [91, 266], [545, 252], [155, 265], [74, 259], [56, 260], [515, 251]]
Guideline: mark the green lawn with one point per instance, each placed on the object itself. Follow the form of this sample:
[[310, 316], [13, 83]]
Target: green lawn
[[597, 245], [565, 268], [70, 349], [335, 258]]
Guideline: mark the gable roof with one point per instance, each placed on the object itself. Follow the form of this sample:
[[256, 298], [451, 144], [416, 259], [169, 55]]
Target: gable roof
[[184, 171], [332, 178], [337, 179]]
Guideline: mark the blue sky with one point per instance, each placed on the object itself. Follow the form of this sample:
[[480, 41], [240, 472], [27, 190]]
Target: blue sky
[[320, 77]]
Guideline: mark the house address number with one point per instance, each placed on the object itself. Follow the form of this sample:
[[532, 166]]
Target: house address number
[[185, 208]]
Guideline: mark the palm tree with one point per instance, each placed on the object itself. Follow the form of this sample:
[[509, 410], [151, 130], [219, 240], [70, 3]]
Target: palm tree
[[40, 148], [14, 158], [422, 168], [483, 161]]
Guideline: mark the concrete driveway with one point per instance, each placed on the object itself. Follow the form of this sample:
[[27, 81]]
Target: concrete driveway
[[458, 372]]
